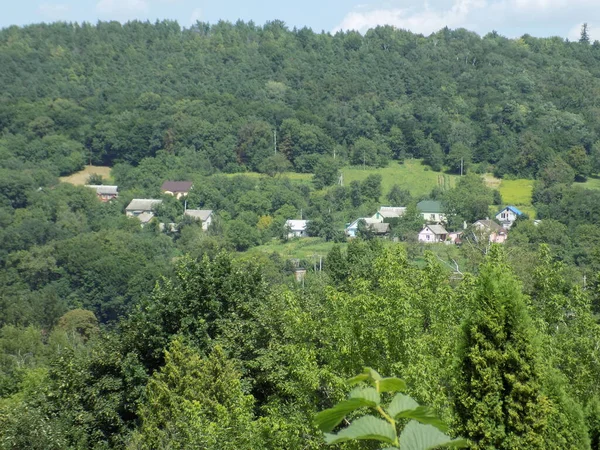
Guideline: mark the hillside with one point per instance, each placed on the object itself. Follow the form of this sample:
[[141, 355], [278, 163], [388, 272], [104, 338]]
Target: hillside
[[219, 95]]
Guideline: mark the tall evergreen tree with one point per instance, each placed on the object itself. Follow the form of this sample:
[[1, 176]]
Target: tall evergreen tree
[[498, 398]]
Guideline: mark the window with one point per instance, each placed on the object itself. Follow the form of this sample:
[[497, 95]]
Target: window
[[428, 237]]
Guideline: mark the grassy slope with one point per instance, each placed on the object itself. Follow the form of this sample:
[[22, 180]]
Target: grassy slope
[[80, 178], [412, 175], [305, 248], [518, 193]]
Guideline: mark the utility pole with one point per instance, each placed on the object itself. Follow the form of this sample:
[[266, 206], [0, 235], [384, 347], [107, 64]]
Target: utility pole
[[461, 166], [364, 159], [275, 140]]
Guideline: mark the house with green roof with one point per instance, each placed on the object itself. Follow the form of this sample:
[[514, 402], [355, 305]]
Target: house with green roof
[[431, 211]]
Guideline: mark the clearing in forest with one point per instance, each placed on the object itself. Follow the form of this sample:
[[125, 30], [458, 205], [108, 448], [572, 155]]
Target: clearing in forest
[[413, 175], [80, 178], [309, 249], [518, 193]]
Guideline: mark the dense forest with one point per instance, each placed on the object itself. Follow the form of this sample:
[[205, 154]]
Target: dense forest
[[117, 336]]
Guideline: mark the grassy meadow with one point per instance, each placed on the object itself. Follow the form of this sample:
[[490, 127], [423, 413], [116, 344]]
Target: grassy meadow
[[518, 193], [305, 248], [413, 175], [80, 178]]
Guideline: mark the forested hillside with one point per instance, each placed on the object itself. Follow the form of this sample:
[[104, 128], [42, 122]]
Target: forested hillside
[[168, 334], [215, 94]]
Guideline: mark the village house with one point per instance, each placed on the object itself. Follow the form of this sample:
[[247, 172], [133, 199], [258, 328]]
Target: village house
[[389, 212], [431, 211], [296, 228], [380, 229], [496, 233], [142, 208], [104, 193], [432, 234], [352, 229], [508, 216], [203, 215], [176, 188]]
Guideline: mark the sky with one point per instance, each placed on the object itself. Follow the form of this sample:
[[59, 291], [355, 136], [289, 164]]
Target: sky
[[511, 18]]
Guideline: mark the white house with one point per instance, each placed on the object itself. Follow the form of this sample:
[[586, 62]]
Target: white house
[[203, 215], [296, 228], [389, 212], [508, 216], [352, 229], [431, 234]]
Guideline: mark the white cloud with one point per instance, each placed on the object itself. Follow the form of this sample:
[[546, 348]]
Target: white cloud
[[121, 9], [196, 16], [424, 20], [53, 11], [593, 32], [509, 17]]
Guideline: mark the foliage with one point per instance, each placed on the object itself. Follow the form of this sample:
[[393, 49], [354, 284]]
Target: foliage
[[423, 431]]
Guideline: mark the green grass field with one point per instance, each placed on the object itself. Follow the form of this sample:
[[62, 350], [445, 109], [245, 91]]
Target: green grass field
[[305, 248], [518, 193], [591, 183], [412, 175]]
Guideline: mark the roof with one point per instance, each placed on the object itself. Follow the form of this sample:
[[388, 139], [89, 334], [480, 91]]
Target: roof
[[146, 217], [437, 229], [176, 186], [489, 224], [296, 225], [103, 189], [392, 211], [199, 214], [142, 204], [430, 206], [513, 209], [367, 220], [380, 228]]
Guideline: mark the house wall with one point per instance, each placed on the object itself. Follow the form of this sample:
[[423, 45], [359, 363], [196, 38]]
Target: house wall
[[428, 236], [434, 217], [506, 217]]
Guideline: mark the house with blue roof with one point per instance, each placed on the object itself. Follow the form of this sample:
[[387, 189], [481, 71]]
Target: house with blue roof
[[508, 215]]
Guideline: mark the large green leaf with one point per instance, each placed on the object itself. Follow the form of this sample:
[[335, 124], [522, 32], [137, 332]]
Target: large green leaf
[[417, 436], [401, 403], [367, 393], [366, 375], [403, 406], [367, 427], [327, 420], [391, 384]]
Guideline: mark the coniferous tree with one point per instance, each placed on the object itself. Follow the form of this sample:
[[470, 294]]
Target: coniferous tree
[[498, 399]]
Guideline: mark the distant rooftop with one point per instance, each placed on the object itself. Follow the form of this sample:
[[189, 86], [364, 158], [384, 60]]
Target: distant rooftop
[[102, 189], [199, 214], [430, 206], [176, 186], [143, 204]]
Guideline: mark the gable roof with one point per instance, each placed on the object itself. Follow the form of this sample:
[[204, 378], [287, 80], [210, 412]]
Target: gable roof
[[380, 228], [142, 204], [368, 221], [199, 214], [436, 229], [176, 186], [391, 211], [430, 206], [102, 189], [513, 209], [489, 224]]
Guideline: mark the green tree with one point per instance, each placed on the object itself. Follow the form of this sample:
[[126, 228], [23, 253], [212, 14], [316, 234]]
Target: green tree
[[498, 398], [193, 402]]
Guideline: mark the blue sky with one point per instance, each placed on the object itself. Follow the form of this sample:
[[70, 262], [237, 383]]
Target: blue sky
[[511, 18]]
